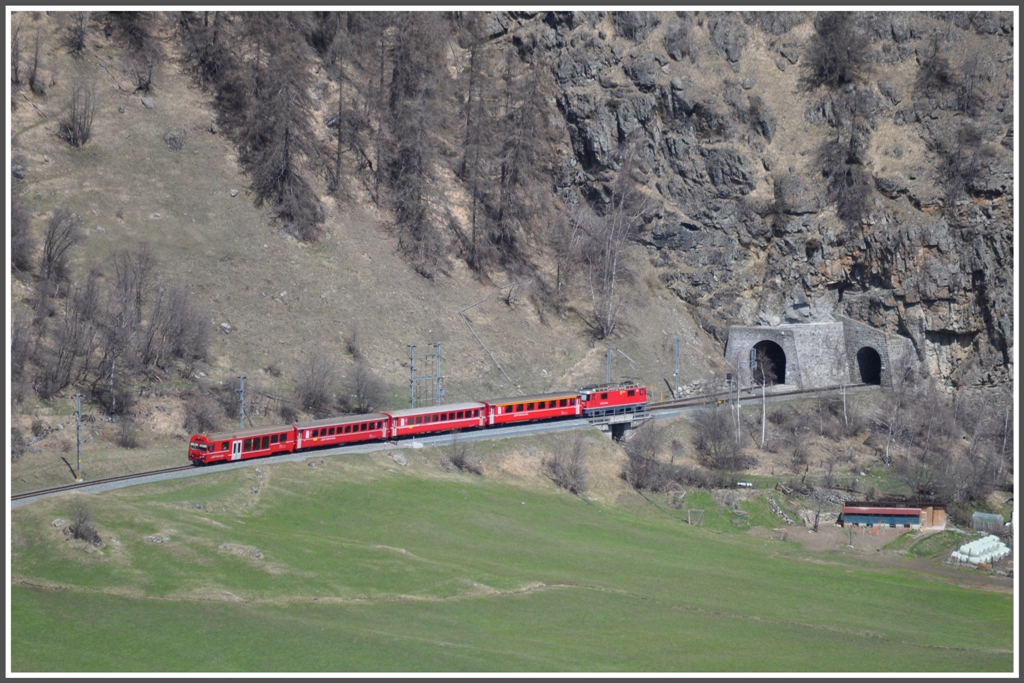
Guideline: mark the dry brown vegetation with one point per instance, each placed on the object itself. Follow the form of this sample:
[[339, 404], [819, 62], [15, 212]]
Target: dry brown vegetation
[[355, 235]]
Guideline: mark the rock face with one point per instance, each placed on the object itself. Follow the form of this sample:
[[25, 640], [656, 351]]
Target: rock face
[[887, 197]]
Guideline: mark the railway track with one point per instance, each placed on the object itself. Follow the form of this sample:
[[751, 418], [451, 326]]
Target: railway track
[[97, 482], [652, 407]]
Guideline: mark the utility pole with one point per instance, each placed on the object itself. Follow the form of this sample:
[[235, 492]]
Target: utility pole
[[241, 404], [675, 393], [440, 389], [412, 375], [78, 432]]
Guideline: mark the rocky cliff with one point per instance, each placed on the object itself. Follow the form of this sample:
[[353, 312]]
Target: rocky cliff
[[805, 167]]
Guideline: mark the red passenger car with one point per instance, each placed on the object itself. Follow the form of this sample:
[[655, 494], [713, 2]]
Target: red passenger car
[[241, 444], [613, 399], [434, 419], [538, 407], [334, 431]]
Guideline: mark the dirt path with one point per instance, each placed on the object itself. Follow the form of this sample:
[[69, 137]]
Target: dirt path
[[836, 540]]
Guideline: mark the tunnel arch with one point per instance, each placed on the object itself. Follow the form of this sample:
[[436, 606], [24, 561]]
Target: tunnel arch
[[774, 353], [869, 363]]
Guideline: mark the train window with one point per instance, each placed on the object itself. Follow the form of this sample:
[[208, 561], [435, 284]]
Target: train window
[[348, 429], [330, 432], [562, 403], [419, 420], [224, 446], [604, 395], [529, 406], [572, 401], [362, 427], [630, 393], [476, 412], [266, 442], [451, 416], [273, 438], [458, 415], [444, 417], [247, 445], [519, 407], [284, 437]]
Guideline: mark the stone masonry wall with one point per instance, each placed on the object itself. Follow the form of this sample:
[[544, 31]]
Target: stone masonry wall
[[819, 354]]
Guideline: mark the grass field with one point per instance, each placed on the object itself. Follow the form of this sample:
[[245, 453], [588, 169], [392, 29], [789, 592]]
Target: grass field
[[351, 565]]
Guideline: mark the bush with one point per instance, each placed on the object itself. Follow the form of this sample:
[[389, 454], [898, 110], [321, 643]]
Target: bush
[[569, 470], [202, 414], [318, 382], [458, 458], [838, 53], [18, 444], [22, 244], [81, 526], [128, 435], [75, 124]]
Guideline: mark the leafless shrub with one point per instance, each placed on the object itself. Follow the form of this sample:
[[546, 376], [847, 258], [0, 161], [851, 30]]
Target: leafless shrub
[[128, 434], [18, 444], [352, 342], [75, 123], [177, 329], [287, 412], [458, 458], [715, 440], [569, 470], [62, 233], [75, 33], [202, 414], [839, 51], [22, 244], [81, 526], [800, 458], [362, 390], [175, 140], [318, 382], [15, 58]]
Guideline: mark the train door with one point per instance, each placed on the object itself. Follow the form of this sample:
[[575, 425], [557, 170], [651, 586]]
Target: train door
[[236, 450]]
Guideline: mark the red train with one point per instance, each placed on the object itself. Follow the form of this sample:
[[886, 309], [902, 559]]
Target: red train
[[258, 442]]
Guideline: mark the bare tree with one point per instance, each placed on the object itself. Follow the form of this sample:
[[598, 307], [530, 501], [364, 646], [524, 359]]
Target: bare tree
[[458, 458], [608, 235], [75, 124], [36, 82], [81, 526], [62, 233], [569, 469], [764, 374], [22, 244], [75, 33], [714, 440], [839, 51], [318, 382], [362, 390], [15, 55]]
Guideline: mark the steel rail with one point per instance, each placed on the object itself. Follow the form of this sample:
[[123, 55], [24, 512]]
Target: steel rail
[[653, 407]]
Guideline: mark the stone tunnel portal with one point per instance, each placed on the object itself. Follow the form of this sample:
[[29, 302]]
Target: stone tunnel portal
[[775, 362], [870, 365]]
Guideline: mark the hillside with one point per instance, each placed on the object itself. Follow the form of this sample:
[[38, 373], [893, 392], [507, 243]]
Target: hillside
[[752, 187]]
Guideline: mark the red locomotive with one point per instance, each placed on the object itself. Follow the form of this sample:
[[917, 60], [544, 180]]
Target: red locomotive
[[258, 442]]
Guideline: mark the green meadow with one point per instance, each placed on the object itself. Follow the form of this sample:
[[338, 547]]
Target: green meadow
[[354, 566]]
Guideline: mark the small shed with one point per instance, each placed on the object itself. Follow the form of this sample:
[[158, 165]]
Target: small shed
[[866, 515]]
